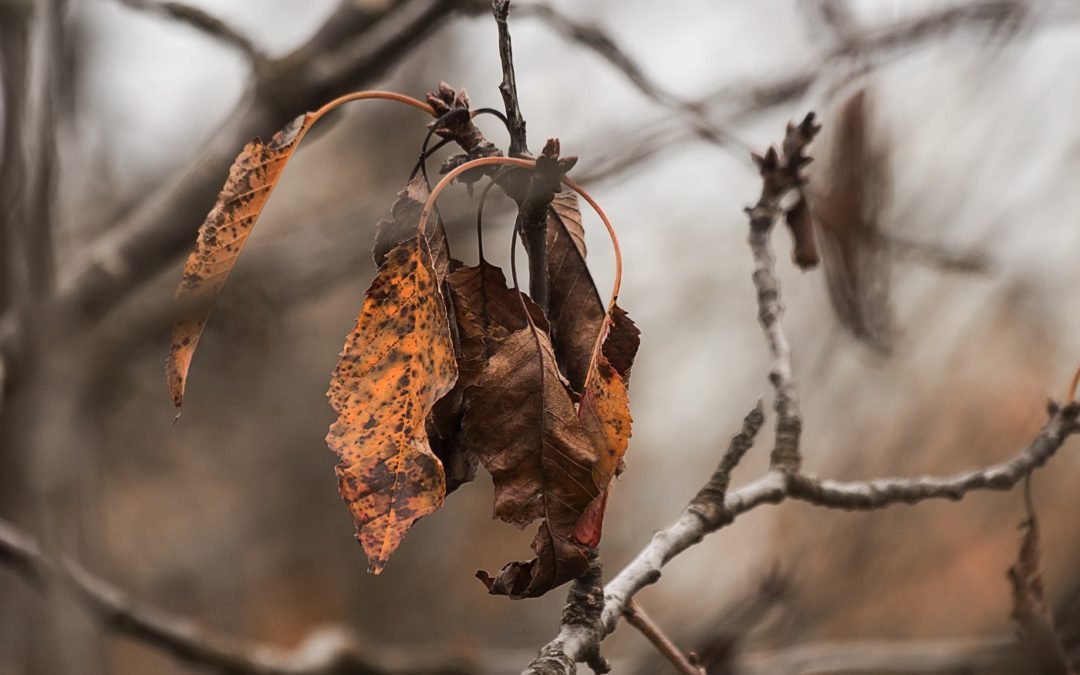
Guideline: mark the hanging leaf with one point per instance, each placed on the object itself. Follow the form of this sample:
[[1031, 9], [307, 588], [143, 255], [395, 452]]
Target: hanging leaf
[[486, 312], [222, 235], [604, 411], [848, 195], [576, 311], [396, 363], [522, 424]]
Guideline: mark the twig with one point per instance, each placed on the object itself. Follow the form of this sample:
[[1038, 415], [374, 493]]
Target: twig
[[203, 22], [636, 617], [781, 174], [508, 87], [329, 651]]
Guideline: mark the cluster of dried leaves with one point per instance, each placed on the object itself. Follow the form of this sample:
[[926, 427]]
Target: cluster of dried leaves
[[448, 367]]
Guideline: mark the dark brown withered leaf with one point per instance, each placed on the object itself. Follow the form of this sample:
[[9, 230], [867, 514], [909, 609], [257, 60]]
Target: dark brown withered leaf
[[576, 311], [485, 312], [523, 425], [846, 197]]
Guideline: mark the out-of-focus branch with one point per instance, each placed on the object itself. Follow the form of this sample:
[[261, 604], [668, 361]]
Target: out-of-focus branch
[[163, 226], [724, 108], [593, 37], [329, 651], [203, 22]]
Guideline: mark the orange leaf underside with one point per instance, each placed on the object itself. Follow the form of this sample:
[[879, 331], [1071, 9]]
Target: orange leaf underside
[[222, 235], [396, 364]]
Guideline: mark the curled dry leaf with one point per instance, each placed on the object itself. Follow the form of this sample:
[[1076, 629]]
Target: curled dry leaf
[[221, 237], [397, 362], [485, 312], [576, 311], [523, 426]]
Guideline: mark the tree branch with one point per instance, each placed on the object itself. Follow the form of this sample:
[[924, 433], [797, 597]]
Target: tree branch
[[329, 651], [781, 174], [714, 507]]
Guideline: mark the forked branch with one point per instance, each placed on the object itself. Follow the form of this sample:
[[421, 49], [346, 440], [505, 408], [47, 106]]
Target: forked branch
[[714, 507]]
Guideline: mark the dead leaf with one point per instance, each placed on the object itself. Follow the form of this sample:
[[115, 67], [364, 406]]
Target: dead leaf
[[604, 411], [222, 235], [485, 313], [396, 363], [523, 426], [1033, 618], [847, 196], [576, 311]]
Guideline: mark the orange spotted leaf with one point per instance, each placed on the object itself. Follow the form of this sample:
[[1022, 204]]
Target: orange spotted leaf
[[396, 364], [221, 237]]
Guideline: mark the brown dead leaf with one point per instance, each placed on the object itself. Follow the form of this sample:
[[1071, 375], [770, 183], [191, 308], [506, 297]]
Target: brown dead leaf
[[396, 363], [485, 312], [847, 196], [523, 426], [221, 237], [1033, 618], [576, 311]]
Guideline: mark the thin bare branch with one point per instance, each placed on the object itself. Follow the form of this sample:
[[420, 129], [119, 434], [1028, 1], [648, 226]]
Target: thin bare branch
[[508, 87], [636, 617], [781, 174], [580, 621], [714, 507]]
